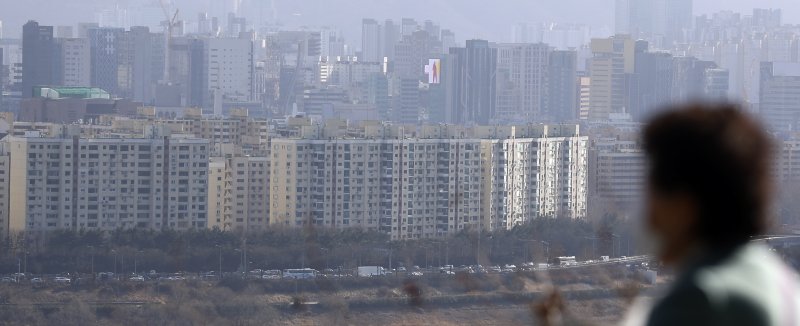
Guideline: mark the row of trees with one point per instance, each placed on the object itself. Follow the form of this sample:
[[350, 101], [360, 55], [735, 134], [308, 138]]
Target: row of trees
[[280, 248]]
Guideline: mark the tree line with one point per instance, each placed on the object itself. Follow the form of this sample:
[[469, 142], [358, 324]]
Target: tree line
[[539, 241]]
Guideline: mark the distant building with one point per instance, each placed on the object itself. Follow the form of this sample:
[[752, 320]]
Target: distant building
[[780, 95], [472, 83], [616, 177], [38, 57], [562, 77], [371, 46], [522, 73], [72, 183], [238, 193], [610, 69], [75, 57], [427, 181], [72, 104]]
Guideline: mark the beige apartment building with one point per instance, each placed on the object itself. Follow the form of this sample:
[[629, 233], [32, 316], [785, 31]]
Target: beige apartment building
[[238, 193], [73, 183]]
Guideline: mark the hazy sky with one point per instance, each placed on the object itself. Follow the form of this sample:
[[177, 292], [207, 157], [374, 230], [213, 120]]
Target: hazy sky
[[469, 18]]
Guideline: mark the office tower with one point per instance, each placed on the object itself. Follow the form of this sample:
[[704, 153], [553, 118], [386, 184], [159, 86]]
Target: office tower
[[38, 57], [522, 82], [779, 102], [391, 35], [663, 22], [679, 16], [331, 44], [689, 78], [203, 23], [716, 84], [472, 83], [412, 54], [75, 59], [106, 46], [371, 46], [767, 18], [562, 101], [230, 68], [64, 32], [143, 63], [67, 182], [448, 40], [236, 25], [651, 87], [610, 68], [83, 29], [408, 26]]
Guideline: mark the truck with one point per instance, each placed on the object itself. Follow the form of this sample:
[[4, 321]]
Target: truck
[[369, 271]]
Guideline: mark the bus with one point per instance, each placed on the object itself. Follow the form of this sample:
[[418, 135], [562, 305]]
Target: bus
[[566, 261], [300, 274]]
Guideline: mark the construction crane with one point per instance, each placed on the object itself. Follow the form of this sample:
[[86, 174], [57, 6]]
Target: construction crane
[[171, 20]]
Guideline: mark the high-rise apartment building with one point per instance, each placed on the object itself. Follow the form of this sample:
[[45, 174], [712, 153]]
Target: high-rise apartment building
[[38, 57], [610, 69], [428, 181], [538, 172], [76, 183], [238, 193], [522, 70]]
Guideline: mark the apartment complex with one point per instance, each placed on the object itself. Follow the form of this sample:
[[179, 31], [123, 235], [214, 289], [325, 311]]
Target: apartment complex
[[238, 193], [73, 183], [429, 181]]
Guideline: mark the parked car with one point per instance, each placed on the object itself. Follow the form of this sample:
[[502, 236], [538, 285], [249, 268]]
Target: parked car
[[37, 280], [137, 278]]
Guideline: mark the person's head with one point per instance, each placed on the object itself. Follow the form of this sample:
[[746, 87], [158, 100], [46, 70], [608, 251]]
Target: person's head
[[708, 180]]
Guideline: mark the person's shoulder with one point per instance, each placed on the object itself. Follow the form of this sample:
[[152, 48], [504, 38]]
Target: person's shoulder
[[690, 304], [745, 288]]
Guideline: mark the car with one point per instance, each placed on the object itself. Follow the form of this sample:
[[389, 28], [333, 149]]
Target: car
[[401, 269], [416, 273], [62, 280], [137, 278], [37, 280], [8, 280], [447, 272]]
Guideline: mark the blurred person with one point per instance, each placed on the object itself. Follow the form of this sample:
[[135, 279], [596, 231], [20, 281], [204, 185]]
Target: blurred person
[[709, 192]]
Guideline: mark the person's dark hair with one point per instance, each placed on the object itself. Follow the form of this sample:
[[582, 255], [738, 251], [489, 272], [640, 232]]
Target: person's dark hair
[[719, 157]]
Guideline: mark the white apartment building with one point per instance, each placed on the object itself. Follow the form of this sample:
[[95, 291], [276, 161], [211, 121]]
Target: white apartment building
[[427, 182], [535, 172], [72, 183]]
